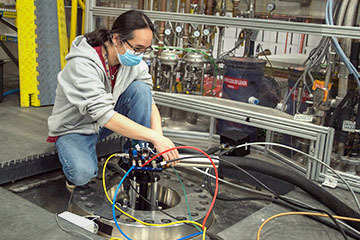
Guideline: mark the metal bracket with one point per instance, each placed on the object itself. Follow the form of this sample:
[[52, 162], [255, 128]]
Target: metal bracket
[[330, 182]]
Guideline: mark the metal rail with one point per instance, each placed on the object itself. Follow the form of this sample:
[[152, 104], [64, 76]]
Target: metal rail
[[251, 23], [256, 116]]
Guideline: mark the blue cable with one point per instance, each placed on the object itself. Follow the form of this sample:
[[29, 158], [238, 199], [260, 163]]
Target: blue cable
[[114, 200], [330, 21], [191, 235], [114, 214], [11, 92]]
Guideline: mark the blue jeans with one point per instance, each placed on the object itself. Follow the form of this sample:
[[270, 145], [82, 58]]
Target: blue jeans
[[77, 152]]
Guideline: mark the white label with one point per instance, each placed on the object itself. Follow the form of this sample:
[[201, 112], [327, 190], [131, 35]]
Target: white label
[[303, 118], [349, 126]]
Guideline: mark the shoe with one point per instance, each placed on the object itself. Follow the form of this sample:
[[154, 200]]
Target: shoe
[[70, 186]]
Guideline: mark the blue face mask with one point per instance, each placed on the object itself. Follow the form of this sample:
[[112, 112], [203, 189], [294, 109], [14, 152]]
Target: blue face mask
[[128, 58]]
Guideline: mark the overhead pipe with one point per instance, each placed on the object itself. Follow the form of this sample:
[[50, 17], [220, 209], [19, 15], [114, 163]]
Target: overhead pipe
[[343, 72], [248, 44], [349, 17], [141, 4], [342, 12], [162, 28], [187, 26], [252, 8], [209, 5], [200, 5], [150, 5], [221, 29], [235, 7]]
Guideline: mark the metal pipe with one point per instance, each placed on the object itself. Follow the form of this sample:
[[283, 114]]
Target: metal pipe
[[252, 8], [141, 4], [187, 26], [162, 27], [9, 24], [221, 29], [235, 7], [260, 24], [132, 193], [178, 6], [209, 5], [343, 72], [330, 69], [192, 160], [9, 53], [154, 193], [342, 12], [219, 47], [151, 5], [248, 42], [349, 20]]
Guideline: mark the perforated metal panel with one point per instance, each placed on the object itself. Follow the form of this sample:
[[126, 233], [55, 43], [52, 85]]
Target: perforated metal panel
[[48, 50]]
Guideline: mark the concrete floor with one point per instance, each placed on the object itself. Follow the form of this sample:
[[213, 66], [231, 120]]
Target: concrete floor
[[23, 131]]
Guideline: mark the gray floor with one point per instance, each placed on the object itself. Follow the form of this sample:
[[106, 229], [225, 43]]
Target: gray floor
[[23, 131], [21, 219]]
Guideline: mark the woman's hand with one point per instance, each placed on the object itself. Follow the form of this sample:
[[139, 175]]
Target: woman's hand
[[161, 144]]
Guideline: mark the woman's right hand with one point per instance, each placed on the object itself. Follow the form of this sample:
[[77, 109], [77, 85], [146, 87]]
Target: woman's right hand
[[162, 143]]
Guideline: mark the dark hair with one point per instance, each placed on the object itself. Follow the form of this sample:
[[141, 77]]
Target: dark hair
[[124, 26]]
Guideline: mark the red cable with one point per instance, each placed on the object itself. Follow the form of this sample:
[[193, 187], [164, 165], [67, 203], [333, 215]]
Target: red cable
[[215, 170], [286, 42]]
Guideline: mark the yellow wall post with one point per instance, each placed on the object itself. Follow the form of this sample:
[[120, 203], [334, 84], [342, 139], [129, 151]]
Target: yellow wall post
[[74, 5], [27, 53], [63, 38]]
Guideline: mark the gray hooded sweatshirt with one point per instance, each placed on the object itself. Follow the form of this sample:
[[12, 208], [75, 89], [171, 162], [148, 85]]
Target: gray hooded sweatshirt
[[84, 98]]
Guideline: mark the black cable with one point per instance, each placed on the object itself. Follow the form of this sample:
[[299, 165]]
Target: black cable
[[284, 199], [276, 194], [280, 202], [339, 228]]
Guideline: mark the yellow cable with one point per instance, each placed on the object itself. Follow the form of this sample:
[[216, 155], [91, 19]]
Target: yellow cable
[[115, 238], [301, 213], [130, 216], [204, 233]]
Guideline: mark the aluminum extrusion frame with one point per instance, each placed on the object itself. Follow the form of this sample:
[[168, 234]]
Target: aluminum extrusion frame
[[255, 116], [261, 24]]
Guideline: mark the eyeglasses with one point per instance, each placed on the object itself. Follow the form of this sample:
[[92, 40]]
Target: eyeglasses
[[139, 51]]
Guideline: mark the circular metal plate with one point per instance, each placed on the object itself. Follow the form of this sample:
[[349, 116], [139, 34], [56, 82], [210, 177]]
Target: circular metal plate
[[91, 200]]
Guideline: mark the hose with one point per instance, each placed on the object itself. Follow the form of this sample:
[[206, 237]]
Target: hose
[[342, 12], [298, 180], [350, 19], [340, 52]]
